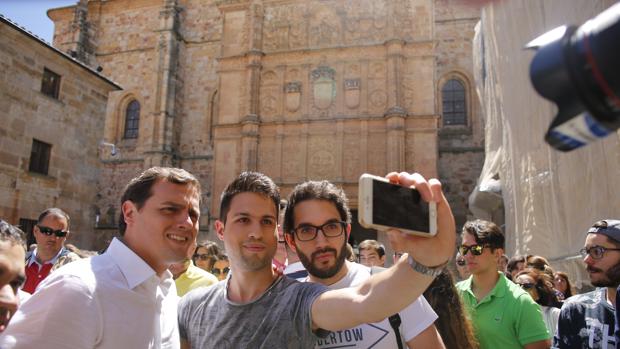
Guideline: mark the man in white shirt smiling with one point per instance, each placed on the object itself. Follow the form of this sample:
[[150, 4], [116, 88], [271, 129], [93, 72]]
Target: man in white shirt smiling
[[126, 297]]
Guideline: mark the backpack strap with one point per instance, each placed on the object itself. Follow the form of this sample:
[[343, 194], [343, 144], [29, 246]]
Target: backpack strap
[[394, 319], [395, 323]]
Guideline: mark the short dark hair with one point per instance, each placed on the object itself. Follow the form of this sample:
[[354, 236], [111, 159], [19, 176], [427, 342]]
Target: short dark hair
[[514, 262], [249, 182], [56, 212], [485, 233], [138, 190], [315, 190], [372, 245], [12, 233]]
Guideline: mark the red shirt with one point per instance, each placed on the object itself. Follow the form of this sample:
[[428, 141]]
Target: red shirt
[[34, 275]]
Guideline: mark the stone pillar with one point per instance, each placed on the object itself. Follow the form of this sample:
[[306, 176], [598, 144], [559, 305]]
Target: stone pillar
[[160, 145], [395, 58], [395, 114], [395, 124], [250, 123], [249, 143], [81, 47]]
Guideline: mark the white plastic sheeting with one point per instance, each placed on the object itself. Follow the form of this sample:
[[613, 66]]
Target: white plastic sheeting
[[550, 198]]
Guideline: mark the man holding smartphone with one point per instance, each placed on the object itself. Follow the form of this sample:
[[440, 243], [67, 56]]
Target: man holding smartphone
[[257, 308], [317, 225]]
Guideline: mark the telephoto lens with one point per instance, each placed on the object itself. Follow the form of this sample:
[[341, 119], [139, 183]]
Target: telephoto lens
[[579, 70]]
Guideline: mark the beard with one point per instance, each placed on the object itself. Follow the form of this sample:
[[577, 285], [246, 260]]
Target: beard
[[315, 271], [612, 276]]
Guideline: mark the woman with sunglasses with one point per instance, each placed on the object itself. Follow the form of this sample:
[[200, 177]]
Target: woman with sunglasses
[[205, 255], [221, 267], [461, 268], [540, 287]]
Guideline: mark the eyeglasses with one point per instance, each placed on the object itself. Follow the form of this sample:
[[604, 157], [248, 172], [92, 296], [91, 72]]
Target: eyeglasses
[[461, 262], [526, 285], [308, 232], [217, 271], [596, 252], [476, 250], [202, 257], [49, 231]]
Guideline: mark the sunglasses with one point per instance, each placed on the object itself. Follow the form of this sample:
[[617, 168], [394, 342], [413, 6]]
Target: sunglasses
[[49, 231], [460, 262], [217, 271], [476, 250], [202, 257], [526, 285]]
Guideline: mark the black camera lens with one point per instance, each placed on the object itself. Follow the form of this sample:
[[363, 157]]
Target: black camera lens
[[577, 69]]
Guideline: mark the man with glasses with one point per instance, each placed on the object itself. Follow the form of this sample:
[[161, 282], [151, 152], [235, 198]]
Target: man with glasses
[[503, 314], [317, 224], [587, 320], [257, 308], [50, 232]]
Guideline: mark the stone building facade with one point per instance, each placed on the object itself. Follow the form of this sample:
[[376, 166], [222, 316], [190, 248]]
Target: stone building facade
[[52, 111], [295, 89]]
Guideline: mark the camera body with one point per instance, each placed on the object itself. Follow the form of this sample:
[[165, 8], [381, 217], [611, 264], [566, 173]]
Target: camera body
[[578, 69]]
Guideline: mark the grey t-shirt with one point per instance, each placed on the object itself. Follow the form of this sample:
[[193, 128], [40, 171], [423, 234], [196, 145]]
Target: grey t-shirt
[[280, 318]]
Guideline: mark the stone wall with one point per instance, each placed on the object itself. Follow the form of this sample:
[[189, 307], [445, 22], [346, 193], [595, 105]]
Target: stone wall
[[72, 124], [461, 148], [297, 89]]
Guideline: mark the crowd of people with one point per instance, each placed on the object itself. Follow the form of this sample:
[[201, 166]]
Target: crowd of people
[[283, 275]]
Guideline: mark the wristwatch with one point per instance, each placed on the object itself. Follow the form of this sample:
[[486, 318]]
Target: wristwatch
[[423, 269]]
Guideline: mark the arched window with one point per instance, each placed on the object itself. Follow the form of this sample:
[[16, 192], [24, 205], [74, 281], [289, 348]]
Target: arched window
[[454, 103], [132, 119]]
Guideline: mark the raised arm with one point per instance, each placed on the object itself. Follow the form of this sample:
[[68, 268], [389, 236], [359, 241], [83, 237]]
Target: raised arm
[[388, 292]]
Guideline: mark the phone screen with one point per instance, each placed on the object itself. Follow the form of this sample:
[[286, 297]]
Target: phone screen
[[396, 206]]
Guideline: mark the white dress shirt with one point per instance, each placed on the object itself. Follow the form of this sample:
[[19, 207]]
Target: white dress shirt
[[110, 301]]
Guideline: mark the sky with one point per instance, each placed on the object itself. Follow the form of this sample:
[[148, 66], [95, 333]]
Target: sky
[[32, 14]]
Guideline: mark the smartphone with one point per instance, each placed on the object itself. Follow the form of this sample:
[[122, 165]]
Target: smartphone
[[383, 206]]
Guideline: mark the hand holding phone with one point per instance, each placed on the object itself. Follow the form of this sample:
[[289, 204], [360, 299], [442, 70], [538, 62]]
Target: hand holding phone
[[384, 205], [428, 251]]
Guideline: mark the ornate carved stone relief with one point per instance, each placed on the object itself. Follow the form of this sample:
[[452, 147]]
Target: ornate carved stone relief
[[320, 24], [408, 86], [292, 158], [321, 157], [352, 93], [325, 27], [292, 91], [284, 27], [323, 88], [403, 18], [366, 21], [351, 162], [269, 94]]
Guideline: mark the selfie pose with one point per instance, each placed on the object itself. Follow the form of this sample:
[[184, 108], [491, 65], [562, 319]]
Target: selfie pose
[[317, 225], [257, 308]]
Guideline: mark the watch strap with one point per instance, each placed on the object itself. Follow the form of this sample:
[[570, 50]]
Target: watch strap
[[423, 269]]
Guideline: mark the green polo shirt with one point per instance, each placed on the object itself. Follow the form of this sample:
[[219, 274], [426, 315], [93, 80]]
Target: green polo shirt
[[506, 318]]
